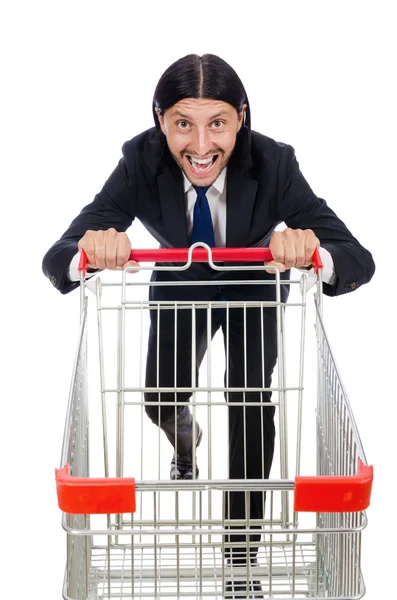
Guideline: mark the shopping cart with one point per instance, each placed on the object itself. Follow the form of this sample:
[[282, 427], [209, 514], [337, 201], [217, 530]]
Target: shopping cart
[[134, 533]]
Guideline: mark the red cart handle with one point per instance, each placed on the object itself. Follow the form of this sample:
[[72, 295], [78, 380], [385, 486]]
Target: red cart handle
[[87, 496], [334, 493], [176, 255], [83, 496]]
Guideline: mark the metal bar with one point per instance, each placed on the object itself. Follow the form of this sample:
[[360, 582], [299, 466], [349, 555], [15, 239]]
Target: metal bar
[[196, 283], [161, 554], [301, 373], [209, 408], [202, 389], [102, 379], [69, 412], [245, 387]]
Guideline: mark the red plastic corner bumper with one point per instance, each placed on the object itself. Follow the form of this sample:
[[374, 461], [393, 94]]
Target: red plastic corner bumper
[[88, 496], [334, 494]]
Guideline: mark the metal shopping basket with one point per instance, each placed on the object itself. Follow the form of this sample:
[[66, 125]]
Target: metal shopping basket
[[134, 533]]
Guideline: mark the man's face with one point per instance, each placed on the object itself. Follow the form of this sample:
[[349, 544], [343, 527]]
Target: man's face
[[201, 135]]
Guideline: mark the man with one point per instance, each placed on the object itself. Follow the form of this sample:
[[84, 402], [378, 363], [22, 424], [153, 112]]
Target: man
[[202, 175]]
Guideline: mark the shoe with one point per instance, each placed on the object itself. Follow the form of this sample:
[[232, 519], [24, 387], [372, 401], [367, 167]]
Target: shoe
[[238, 589], [182, 466]]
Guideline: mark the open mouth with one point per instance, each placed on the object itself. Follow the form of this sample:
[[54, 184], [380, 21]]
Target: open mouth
[[202, 164]]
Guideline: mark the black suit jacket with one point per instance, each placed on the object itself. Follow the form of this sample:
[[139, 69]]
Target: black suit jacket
[[267, 189]]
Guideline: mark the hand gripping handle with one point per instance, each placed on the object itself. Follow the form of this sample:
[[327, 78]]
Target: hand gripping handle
[[181, 255]]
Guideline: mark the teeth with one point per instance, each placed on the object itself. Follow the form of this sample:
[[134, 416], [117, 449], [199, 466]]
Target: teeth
[[201, 161]]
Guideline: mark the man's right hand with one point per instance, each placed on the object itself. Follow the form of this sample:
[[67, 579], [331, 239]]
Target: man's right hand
[[106, 249]]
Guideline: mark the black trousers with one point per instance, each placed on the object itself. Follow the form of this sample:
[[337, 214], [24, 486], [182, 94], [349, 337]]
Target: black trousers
[[252, 355]]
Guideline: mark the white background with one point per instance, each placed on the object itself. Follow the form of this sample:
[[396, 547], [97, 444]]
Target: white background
[[78, 80]]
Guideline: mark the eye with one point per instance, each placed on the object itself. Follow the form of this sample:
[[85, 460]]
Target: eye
[[183, 124], [217, 124]]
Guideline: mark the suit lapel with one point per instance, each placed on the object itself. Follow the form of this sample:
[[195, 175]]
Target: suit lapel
[[173, 209], [241, 192]]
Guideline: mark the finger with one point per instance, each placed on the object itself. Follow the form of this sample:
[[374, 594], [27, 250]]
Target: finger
[[276, 246], [110, 255], [111, 247], [289, 248], [123, 250], [276, 264], [100, 250], [300, 249], [311, 243], [131, 263], [87, 244]]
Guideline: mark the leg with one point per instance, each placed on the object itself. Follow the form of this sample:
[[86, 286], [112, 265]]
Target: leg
[[252, 341], [169, 364]]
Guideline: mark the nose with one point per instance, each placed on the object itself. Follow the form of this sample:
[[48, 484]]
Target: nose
[[202, 141]]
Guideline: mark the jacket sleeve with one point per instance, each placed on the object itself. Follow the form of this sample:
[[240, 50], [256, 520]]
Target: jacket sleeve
[[300, 208], [114, 206]]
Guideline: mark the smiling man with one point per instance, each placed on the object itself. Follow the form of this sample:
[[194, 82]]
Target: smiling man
[[201, 135], [201, 174]]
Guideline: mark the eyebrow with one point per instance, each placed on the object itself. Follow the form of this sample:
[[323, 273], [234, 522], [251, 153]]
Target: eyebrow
[[187, 117]]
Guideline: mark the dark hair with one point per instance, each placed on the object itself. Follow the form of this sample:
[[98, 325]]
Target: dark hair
[[206, 76]]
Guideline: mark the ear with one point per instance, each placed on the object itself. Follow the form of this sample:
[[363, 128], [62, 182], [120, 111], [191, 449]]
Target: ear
[[241, 117], [161, 120]]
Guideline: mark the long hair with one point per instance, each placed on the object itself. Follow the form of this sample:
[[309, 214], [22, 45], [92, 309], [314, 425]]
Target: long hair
[[207, 76]]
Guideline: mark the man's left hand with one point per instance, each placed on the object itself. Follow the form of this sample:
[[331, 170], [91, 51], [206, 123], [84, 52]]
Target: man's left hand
[[292, 248]]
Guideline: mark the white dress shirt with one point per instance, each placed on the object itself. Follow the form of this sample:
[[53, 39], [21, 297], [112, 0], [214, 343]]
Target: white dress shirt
[[216, 196]]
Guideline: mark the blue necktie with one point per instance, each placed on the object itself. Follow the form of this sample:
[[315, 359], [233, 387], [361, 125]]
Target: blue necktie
[[203, 230]]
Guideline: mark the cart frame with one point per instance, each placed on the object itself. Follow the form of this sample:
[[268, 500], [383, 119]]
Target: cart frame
[[114, 553]]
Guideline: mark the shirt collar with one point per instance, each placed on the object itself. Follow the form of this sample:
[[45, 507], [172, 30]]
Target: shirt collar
[[218, 184]]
